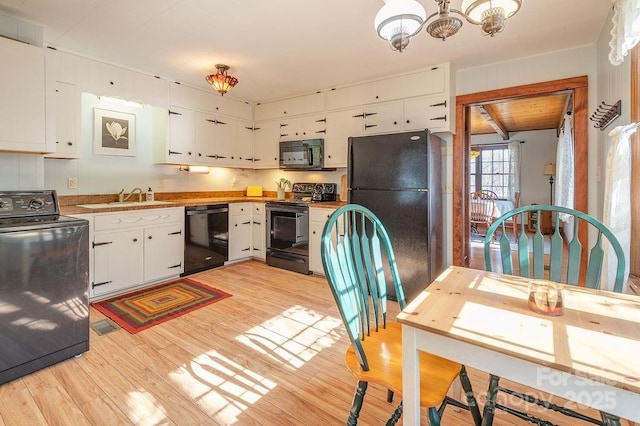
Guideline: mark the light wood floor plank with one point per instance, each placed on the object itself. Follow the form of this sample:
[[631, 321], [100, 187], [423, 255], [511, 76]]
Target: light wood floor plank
[[272, 354]]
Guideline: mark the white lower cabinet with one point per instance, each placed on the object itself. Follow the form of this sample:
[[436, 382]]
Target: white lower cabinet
[[317, 219], [258, 235], [240, 230], [163, 251], [134, 248]]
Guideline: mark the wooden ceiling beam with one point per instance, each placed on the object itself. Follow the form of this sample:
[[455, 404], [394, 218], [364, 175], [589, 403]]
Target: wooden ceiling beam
[[487, 113]]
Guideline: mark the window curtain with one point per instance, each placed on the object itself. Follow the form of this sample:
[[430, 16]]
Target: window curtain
[[565, 168], [514, 172], [625, 33], [617, 201]]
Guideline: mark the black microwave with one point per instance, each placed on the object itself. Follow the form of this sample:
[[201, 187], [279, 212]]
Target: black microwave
[[302, 155]]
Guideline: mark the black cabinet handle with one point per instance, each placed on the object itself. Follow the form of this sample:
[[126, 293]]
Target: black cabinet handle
[[175, 233], [444, 117], [69, 143], [94, 245], [283, 135], [322, 131], [175, 266], [358, 116], [150, 237], [249, 128], [174, 113], [94, 285], [444, 104], [370, 125], [135, 240], [175, 153], [246, 223], [283, 125], [322, 120], [246, 249], [257, 223], [216, 156], [370, 113]]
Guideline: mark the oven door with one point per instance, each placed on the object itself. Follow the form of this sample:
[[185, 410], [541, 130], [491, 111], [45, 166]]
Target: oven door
[[288, 237]]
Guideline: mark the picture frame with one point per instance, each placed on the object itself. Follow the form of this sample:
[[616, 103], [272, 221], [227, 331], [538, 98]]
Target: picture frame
[[114, 133]]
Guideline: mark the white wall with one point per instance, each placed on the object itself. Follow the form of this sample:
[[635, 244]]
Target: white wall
[[21, 172]]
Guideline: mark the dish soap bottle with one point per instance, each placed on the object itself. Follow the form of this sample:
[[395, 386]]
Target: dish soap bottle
[[149, 194]]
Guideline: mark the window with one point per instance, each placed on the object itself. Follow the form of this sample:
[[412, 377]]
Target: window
[[491, 170]]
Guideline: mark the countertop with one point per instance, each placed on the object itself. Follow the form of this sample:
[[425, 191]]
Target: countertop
[[70, 206]]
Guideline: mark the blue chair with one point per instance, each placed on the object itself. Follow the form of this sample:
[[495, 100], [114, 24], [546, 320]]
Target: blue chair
[[533, 249], [359, 264]]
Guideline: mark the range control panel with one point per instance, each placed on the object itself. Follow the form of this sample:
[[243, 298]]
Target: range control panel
[[28, 203]]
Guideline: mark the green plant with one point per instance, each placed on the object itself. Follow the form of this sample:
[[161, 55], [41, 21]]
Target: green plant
[[283, 183]]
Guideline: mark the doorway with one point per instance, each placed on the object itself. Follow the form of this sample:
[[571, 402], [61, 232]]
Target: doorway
[[578, 86]]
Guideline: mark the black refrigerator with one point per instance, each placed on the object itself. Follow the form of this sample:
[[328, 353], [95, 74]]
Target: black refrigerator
[[398, 177]]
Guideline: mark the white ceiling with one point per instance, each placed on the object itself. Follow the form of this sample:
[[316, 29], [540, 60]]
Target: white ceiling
[[279, 48]]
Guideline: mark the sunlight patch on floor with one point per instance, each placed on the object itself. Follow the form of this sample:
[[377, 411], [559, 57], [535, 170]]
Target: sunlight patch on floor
[[221, 387], [143, 410], [293, 337]]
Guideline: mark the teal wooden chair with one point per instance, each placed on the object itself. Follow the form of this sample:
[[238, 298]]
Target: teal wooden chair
[[359, 264], [530, 256]]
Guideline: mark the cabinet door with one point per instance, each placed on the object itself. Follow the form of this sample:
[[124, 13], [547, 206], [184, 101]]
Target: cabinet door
[[181, 136], [244, 148], [266, 147], [117, 261], [340, 126], [383, 118], [290, 129], [239, 231], [67, 113], [163, 252], [215, 140], [317, 220], [432, 112], [313, 126], [258, 237], [22, 85]]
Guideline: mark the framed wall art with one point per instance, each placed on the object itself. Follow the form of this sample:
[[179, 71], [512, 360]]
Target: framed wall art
[[114, 133]]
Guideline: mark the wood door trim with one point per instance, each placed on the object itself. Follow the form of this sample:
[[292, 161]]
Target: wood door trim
[[460, 197]]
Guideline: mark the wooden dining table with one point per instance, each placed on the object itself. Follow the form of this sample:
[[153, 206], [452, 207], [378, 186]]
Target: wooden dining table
[[589, 355]]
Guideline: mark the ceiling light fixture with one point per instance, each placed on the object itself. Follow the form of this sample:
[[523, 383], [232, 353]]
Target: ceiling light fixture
[[220, 80], [399, 20]]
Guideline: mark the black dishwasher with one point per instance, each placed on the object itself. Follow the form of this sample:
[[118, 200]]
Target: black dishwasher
[[206, 237]]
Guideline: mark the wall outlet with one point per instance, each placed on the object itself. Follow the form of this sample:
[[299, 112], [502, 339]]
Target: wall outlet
[[73, 183], [161, 183]]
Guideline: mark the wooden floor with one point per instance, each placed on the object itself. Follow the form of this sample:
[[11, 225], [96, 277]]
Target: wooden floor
[[270, 355]]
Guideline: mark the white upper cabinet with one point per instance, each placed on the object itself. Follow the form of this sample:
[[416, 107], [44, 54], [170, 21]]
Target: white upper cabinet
[[300, 105], [313, 126], [208, 101], [383, 118], [340, 126], [66, 110], [244, 148], [215, 140], [174, 135], [430, 81], [428, 112], [266, 146], [23, 105]]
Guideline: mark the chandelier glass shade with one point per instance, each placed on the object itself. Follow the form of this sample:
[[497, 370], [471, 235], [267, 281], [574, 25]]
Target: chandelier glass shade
[[220, 81], [399, 20]]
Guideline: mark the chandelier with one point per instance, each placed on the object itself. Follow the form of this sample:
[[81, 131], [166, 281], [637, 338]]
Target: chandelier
[[220, 80], [399, 20]]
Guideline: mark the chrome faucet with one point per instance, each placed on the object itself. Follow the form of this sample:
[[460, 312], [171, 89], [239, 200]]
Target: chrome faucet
[[122, 198]]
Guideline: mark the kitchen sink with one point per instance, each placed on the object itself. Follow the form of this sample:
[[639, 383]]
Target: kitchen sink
[[115, 204]]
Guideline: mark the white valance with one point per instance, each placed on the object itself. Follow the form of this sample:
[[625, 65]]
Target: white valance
[[625, 33]]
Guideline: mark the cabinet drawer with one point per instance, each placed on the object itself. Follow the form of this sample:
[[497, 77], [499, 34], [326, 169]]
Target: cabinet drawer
[[320, 214], [239, 209], [137, 218]]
